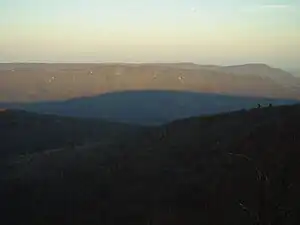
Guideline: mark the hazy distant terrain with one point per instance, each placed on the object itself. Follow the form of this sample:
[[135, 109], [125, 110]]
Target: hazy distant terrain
[[35, 82], [296, 72]]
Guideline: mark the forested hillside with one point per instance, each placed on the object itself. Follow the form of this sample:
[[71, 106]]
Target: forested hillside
[[235, 168]]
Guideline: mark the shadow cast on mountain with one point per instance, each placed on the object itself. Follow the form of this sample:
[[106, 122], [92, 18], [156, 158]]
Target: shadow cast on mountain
[[146, 107]]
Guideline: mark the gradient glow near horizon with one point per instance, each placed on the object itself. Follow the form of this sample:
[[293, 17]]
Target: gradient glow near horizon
[[200, 31]]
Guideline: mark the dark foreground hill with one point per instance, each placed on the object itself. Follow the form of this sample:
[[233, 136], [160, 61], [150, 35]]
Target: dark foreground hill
[[147, 107], [235, 168], [23, 132]]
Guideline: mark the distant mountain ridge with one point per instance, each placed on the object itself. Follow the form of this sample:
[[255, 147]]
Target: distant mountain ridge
[[264, 71], [257, 69], [43, 82]]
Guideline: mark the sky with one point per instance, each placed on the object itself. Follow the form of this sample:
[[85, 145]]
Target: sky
[[200, 31]]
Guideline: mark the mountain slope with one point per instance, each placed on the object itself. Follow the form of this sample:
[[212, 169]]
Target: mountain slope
[[235, 168], [262, 70], [41, 82], [22, 132]]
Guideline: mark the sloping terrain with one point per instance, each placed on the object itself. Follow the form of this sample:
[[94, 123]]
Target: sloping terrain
[[147, 107], [22, 132], [234, 168], [279, 76]]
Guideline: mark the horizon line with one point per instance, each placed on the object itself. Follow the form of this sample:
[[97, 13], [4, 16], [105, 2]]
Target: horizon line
[[124, 62]]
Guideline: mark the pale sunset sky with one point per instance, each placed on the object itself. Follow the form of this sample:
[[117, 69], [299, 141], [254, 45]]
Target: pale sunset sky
[[200, 31]]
